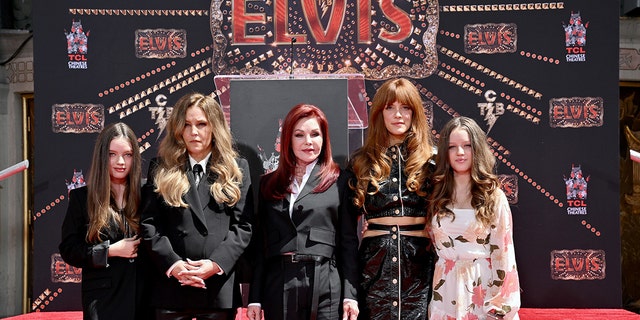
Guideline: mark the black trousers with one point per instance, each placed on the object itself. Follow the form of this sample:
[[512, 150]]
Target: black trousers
[[290, 286], [189, 314]]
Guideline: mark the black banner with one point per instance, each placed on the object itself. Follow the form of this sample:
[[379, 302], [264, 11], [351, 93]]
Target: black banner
[[540, 77]]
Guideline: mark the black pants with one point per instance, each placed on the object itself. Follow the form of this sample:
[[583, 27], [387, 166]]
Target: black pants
[[188, 314], [289, 289]]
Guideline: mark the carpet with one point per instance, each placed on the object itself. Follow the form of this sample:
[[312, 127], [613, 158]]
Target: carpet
[[577, 314], [525, 314]]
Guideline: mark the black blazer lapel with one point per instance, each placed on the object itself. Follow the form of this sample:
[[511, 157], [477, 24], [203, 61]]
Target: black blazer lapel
[[312, 183], [203, 192], [193, 200], [204, 188], [299, 213], [284, 204]]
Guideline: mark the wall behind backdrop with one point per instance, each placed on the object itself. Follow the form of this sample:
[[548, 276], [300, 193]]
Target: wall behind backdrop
[[540, 77]]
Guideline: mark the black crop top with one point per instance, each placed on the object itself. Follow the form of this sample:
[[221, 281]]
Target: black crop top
[[393, 199]]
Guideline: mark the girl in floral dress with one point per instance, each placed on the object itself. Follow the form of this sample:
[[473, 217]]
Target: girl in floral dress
[[476, 275]]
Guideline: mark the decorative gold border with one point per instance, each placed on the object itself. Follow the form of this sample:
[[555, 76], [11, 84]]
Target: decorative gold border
[[138, 12], [503, 7], [629, 84], [27, 121]]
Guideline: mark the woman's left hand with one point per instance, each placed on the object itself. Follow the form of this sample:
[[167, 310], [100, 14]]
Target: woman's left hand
[[126, 248]]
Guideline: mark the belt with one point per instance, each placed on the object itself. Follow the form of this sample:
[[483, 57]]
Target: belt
[[317, 260], [297, 257], [384, 227]]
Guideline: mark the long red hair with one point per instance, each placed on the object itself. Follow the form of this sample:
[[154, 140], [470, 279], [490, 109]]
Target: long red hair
[[277, 184]]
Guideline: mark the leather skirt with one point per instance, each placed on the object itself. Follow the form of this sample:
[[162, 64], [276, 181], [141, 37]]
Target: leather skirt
[[397, 276]]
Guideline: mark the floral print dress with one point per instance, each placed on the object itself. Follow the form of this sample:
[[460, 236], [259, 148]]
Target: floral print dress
[[476, 269]]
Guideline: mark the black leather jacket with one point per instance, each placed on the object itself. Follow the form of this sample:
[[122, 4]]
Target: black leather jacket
[[393, 199]]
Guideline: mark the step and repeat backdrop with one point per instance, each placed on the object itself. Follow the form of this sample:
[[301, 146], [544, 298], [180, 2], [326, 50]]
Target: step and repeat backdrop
[[540, 77]]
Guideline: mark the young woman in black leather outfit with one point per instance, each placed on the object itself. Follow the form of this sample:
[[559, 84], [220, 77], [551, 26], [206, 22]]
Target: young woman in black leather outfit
[[391, 181]]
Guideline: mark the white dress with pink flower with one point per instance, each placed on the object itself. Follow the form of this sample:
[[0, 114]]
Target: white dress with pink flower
[[476, 269]]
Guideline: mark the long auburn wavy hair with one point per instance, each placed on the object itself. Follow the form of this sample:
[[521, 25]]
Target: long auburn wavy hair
[[484, 182], [101, 199], [370, 164], [171, 180], [277, 184]]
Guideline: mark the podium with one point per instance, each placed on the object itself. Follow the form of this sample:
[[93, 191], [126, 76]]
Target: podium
[[256, 105]]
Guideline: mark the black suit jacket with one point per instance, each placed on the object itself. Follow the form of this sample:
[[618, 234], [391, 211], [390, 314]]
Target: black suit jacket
[[112, 288], [204, 230], [322, 224]]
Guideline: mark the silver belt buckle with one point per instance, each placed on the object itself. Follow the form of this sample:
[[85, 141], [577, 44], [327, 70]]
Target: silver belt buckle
[[290, 256]]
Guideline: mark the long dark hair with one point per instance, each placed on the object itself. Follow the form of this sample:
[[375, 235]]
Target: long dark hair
[[100, 198], [483, 180]]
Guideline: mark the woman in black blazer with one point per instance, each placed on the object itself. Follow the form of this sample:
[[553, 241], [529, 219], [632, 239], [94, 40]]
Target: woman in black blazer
[[196, 214], [100, 227], [307, 229]]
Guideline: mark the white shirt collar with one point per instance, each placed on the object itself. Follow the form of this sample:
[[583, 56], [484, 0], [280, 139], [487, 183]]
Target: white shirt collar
[[307, 173], [296, 188], [203, 162]]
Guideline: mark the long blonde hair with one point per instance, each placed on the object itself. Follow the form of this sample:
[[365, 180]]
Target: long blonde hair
[[100, 199], [484, 182], [170, 177], [370, 164]]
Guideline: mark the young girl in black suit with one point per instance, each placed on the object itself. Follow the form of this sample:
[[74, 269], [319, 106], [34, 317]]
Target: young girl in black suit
[[100, 227]]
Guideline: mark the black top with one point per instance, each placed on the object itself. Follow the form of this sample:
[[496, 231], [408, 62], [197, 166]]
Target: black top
[[393, 199], [112, 288]]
